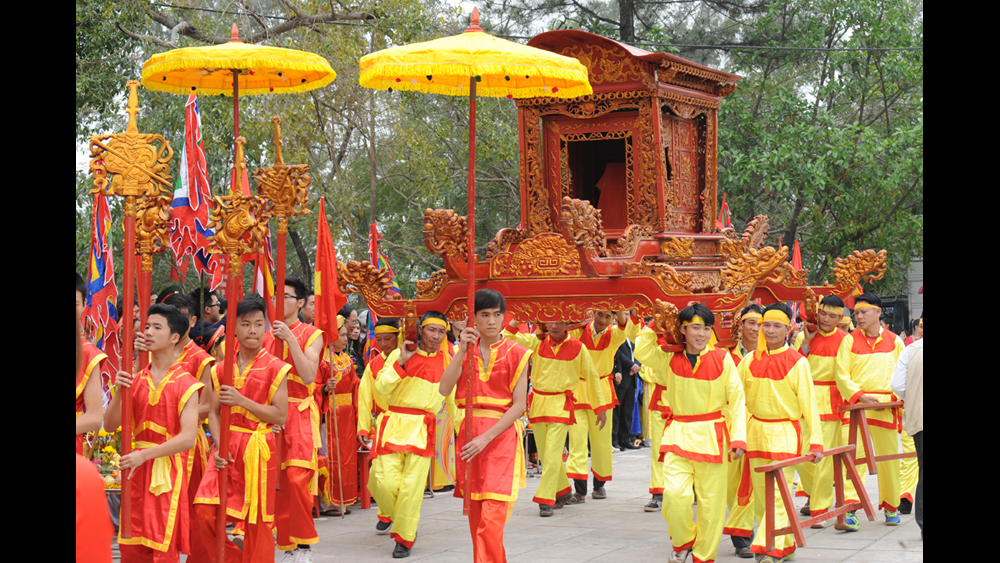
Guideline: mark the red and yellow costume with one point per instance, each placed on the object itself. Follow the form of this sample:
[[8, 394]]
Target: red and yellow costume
[[740, 520], [779, 394], [602, 348], [498, 471], [371, 404], [404, 440], [194, 360], [92, 357], [706, 401], [345, 475], [160, 511], [251, 495], [659, 410], [299, 441], [864, 367]]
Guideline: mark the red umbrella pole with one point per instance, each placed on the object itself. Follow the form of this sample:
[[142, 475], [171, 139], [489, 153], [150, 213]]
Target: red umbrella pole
[[470, 365], [125, 516], [279, 314], [227, 379], [144, 284]]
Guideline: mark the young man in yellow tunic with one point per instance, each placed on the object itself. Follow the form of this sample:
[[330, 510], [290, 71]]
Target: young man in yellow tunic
[[866, 359], [820, 347], [165, 418], [706, 399], [739, 523], [371, 404], [495, 454], [602, 339], [404, 441], [558, 364], [779, 394], [299, 345]]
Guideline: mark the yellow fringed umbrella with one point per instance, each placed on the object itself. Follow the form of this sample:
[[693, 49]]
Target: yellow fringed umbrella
[[229, 69], [474, 63]]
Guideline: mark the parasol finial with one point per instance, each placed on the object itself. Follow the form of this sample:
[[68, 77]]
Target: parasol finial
[[235, 36], [474, 21]]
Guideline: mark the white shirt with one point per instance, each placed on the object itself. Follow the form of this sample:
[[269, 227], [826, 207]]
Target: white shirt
[[899, 374]]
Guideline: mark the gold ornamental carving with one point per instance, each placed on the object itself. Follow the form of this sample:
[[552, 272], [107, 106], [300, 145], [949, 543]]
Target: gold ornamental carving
[[283, 185], [666, 320], [629, 242], [533, 175], [810, 304], [606, 66], [582, 223], [446, 234], [850, 270], [756, 233], [670, 280], [136, 166], [786, 275], [573, 310], [745, 267], [646, 209], [152, 228], [502, 242], [678, 248], [431, 288], [546, 255], [364, 278], [240, 221]]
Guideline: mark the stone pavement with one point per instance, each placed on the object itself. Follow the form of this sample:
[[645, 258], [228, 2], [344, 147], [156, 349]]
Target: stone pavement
[[614, 529]]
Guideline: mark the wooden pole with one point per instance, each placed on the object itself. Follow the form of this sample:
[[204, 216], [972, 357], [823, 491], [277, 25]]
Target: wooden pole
[[279, 312], [469, 369], [336, 441]]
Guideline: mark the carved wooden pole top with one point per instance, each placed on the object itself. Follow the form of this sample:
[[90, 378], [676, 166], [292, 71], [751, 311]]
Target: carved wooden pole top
[[238, 163], [278, 160], [474, 21], [133, 107]]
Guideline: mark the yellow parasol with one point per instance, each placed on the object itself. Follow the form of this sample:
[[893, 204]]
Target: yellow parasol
[[474, 63], [228, 69]]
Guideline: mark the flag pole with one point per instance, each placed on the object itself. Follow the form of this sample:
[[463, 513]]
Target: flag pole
[[469, 364], [336, 442]]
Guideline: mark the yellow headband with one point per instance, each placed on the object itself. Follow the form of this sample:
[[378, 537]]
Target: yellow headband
[[386, 329], [750, 315], [769, 315], [434, 321], [696, 319], [921, 323], [863, 305], [832, 309], [340, 322]]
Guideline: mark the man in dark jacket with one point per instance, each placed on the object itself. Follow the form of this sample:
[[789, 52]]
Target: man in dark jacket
[[626, 368]]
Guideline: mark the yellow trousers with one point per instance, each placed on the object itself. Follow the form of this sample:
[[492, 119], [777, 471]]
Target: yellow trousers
[[600, 447], [740, 519], [656, 426], [821, 493], [908, 469], [549, 440], [400, 482], [709, 479], [886, 442], [382, 500], [783, 545], [806, 471]]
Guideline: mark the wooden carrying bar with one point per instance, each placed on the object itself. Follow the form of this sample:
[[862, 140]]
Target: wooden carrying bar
[[859, 419], [842, 455]]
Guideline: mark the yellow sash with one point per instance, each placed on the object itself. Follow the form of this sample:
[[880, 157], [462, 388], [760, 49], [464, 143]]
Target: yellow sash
[[257, 452], [160, 482]]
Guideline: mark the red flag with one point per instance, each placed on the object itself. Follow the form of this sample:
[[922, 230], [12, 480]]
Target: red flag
[[797, 266], [329, 298], [849, 302]]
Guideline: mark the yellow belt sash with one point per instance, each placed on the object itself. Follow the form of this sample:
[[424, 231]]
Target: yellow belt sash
[[160, 482], [253, 471], [520, 472]]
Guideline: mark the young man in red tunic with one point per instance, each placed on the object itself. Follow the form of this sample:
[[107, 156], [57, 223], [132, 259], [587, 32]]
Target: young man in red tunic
[[165, 418], [495, 454], [89, 411], [258, 399], [300, 345]]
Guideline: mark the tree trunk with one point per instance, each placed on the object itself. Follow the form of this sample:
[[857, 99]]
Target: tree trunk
[[626, 15], [307, 272]]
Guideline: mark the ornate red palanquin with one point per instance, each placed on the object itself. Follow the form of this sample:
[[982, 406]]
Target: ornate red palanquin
[[644, 148]]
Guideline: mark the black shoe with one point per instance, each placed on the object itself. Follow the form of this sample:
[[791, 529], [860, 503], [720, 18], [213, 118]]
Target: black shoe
[[545, 510], [561, 501], [599, 493], [401, 551], [905, 506], [631, 446], [382, 528]]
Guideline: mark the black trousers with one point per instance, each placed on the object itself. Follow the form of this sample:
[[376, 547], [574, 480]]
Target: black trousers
[[918, 499], [621, 427]]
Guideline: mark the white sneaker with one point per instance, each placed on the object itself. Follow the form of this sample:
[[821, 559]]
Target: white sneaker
[[290, 556], [678, 557], [305, 555]]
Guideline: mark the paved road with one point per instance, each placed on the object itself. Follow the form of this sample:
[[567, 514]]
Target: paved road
[[615, 529]]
